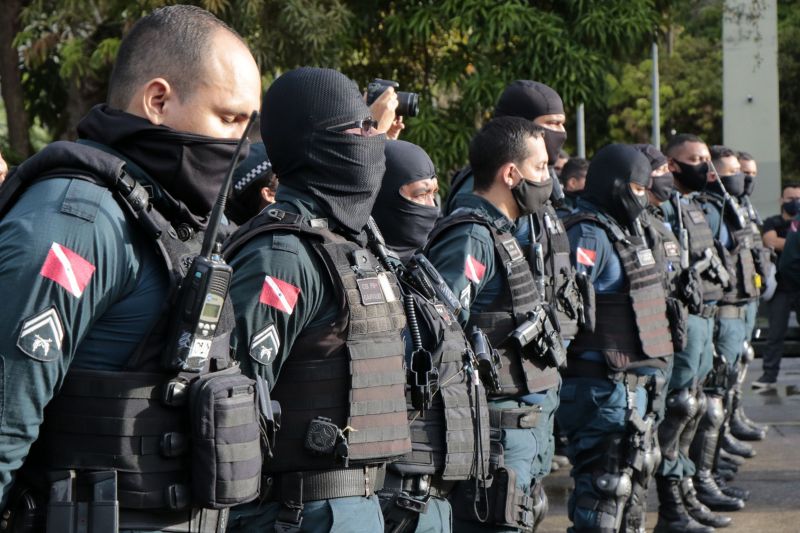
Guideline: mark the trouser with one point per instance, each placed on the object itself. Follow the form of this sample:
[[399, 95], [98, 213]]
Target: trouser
[[730, 339], [528, 452], [779, 310], [690, 367], [594, 415], [353, 514]]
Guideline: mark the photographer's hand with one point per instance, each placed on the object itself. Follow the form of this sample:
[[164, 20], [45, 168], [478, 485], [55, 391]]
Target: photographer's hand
[[396, 127], [383, 110]]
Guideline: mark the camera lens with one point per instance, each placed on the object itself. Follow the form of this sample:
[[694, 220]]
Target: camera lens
[[407, 104]]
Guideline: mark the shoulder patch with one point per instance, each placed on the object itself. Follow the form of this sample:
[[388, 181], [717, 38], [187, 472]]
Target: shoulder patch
[[585, 256], [42, 335], [265, 344], [465, 296], [67, 268]]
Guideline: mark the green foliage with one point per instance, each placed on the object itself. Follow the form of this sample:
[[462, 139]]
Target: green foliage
[[789, 87]]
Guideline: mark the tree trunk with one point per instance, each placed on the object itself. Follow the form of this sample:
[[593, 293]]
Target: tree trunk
[[11, 81]]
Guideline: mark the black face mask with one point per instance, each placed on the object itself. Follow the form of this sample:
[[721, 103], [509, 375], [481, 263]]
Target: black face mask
[[630, 206], [791, 208], [749, 184], [305, 111], [531, 195], [405, 224], [734, 184], [189, 167], [693, 177], [553, 141], [662, 186]]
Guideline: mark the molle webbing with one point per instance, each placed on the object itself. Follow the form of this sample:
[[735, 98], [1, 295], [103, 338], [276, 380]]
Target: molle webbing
[[700, 239], [559, 269]]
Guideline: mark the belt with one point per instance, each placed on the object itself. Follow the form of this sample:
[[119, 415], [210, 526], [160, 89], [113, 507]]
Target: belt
[[581, 368], [174, 521], [708, 311], [733, 311], [516, 418], [321, 484], [416, 484]]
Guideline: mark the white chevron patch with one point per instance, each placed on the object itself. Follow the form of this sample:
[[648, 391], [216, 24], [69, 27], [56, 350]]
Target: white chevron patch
[[41, 336]]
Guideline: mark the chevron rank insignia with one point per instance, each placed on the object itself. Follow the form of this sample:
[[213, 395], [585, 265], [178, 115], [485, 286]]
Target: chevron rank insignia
[[265, 345], [41, 336]]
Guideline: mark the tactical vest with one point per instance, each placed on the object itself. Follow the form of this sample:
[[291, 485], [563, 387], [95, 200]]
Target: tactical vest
[[560, 286], [700, 239], [443, 439], [762, 255], [351, 371], [631, 327], [521, 372], [666, 248], [741, 255], [120, 420]]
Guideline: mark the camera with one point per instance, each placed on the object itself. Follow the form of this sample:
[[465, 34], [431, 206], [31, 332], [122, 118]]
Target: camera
[[407, 103]]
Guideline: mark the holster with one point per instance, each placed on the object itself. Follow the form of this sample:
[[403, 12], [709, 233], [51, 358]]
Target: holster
[[678, 316]]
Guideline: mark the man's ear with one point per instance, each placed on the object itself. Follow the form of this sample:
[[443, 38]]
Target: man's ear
[[507, 175], [672, 165], [156, 97]]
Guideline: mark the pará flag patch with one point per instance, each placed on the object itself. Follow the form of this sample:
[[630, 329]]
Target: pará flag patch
[[474, 269], [279, 294], [67, 268], [585, 256]]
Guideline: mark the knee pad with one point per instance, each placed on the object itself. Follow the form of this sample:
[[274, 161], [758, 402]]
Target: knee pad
[[702, 404], [682, 403], [748, 353], [540, 504], [715, 412], [652, 459]]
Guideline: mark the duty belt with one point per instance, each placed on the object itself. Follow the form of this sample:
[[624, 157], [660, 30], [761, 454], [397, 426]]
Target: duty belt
[[733, 311], [581, 368], [434, 485], [709, 311], [516, 418], [321, 484]]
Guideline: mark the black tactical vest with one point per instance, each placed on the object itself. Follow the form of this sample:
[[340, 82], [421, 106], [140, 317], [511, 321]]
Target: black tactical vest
[[444, 439], [521, 372], [118, 420], [351, 371], [762, 255], [740, 257], [665, 246], [700, 239], [560, 286], [631, 327]]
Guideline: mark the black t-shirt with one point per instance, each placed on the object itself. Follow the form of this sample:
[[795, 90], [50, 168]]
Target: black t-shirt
[[778, 224]]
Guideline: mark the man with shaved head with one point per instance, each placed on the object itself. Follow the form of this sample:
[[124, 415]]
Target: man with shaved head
[[95, 236]]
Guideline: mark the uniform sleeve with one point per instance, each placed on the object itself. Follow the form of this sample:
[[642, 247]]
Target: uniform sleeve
[[587, 252], [464, 256], [66, 257], [277, 291]]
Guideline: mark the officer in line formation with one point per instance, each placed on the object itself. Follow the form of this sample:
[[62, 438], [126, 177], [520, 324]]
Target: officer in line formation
[[368, 386]]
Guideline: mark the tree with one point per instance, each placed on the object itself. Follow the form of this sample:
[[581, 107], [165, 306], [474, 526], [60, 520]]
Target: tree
[[11, 83]]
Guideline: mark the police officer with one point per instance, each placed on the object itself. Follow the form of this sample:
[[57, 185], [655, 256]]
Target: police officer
[[318, 317], [447, 403], [531, 100], [481, 254], [728, 221], [606, 400], [254, 186], [573, 180], [688, 159], [97, 256]]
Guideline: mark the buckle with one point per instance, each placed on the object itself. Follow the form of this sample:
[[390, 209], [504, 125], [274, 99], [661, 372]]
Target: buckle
[[415, 505], [290, 518], [176, 392], [173, 444], [177, 496]]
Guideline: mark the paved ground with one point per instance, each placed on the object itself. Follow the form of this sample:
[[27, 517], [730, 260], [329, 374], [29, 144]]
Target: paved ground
[[773, 476]]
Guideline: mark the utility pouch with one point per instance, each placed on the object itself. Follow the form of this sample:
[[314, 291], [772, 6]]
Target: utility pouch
[[226, 439], [507, 504], [83, 503], [586, 320], [678, 316], [24, 512]]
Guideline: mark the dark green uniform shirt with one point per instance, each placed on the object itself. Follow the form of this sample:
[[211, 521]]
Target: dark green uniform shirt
[[279, 281], [82, 287]]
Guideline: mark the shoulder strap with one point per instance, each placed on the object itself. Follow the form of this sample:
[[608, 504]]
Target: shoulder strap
[[613, 231]]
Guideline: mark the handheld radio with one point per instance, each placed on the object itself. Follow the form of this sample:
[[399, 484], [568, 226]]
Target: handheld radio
[[202, 292]]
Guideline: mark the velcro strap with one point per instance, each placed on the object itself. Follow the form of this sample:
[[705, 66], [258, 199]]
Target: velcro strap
[[325, 484], [517, 418]]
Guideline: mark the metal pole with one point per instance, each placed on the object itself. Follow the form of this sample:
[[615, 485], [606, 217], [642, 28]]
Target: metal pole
[[581, 133], [656, 135]]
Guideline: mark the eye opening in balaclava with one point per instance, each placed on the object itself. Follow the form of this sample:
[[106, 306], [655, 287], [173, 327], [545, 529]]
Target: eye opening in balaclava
[[405, 224], [611, 171], [342, 172]]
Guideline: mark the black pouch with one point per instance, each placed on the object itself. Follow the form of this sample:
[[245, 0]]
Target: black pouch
[[586, 289], [678, 316], [226, 439]]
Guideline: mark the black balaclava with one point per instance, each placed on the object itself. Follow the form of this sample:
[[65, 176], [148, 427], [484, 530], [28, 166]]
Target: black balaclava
[[531, 100], [661, 186], [405, 224], [693, 177], [612, 168], [749, 184], [252, 175], [303, 109], [189, 167]]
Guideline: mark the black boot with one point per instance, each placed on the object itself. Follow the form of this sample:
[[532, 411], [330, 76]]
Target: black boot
[[697, 510], [724, 473], [733, 445], [672, 515], [727, 464], [733, 492], [710, 494], [735, 459], [743, 431], [741, 417]]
